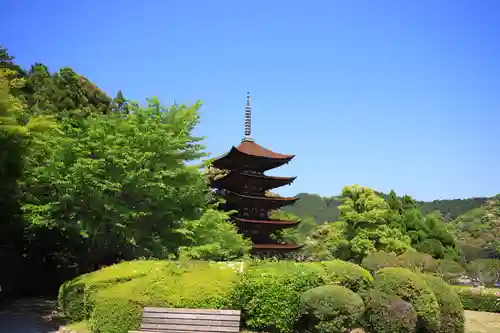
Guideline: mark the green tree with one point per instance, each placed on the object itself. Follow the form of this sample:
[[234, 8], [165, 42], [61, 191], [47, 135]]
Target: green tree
[[328, 241], [429, 233], [368, 224], [212, 237], [119, 104], [120, 182]]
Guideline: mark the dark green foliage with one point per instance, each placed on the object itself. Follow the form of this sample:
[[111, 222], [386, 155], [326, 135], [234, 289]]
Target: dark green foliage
[[331, 309], [386, 313], [451, 209], [326, 209], [312, 205], [451, 312], [411, 288]]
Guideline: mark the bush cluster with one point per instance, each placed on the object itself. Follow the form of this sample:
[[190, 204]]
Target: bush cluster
[[386, 313], [185, 285], [274, 296], [331, 309], [451, 312], [410, 287], [476, 299]]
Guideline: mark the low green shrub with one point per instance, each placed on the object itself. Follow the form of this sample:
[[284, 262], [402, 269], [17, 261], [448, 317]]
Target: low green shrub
[[378, 260], [331, 309], [75, 296], [451, 312], [269, 294], [386, 313], [477, 299], [347, 274], [417, 261], [449, 270], [118, 309], [411, 288]]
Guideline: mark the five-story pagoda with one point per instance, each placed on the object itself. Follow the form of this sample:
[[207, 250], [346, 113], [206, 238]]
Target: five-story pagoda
[[244, 188]]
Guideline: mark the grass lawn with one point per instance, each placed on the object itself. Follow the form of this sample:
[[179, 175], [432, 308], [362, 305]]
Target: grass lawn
[[482, 322], [80, 327]]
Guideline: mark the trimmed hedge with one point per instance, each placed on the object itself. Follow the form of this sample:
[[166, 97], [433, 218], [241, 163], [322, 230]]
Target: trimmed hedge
[[75, 296], [475, 299], [269, 293], [331, 309], [451, 312], [411, 288], [188, 285], [347, 274], [386, 313]]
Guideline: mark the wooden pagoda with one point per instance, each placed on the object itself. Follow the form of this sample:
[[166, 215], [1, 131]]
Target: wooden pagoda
[[244, 188]]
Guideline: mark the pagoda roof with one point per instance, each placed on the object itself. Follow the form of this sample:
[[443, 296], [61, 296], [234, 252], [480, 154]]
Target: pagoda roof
[[272, 181], [269, 221], [284, 247], [266, 198], [250, 148]]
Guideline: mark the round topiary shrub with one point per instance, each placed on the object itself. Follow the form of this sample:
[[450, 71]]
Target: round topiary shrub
[[411, 288], [380, 259], [451, 312], [331, 309], [347, 274], [386, 313], [269, 293], [417, 261]]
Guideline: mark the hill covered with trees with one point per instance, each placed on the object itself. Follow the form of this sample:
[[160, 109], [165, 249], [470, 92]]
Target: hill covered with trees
[[324, 209]]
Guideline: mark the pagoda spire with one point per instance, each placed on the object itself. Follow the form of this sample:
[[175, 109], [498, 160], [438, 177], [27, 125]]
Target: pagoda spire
[[248, 120]]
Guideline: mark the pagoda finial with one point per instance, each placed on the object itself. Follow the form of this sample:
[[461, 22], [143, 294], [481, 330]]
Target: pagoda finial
[[248, 119]]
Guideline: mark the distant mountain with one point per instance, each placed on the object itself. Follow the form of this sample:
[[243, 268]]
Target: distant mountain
[[478, 230], [326, 209]]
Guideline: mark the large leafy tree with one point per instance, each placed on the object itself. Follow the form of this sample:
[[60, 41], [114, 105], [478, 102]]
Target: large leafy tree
[[120, 181], [428, 233], [368, 223]]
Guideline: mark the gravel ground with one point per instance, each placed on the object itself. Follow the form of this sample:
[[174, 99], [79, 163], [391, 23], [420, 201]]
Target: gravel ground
[[29, 316]]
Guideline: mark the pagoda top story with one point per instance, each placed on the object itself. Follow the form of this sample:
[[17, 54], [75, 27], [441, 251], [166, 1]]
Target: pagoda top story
[[250, 154]]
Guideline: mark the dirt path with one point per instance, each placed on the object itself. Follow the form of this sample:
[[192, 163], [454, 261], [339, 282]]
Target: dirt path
[[29, 316]]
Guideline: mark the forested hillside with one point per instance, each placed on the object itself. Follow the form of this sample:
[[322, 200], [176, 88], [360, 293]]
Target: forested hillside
[[478, 230], [326, 209]]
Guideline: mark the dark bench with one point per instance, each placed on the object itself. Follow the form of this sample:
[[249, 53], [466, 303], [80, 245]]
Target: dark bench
[[169, 320]]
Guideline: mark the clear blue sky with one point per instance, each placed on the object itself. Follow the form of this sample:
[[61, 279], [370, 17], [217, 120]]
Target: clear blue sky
[[400, 95]]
